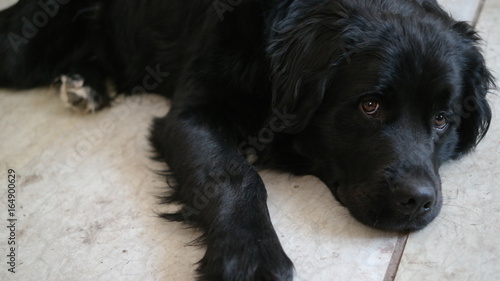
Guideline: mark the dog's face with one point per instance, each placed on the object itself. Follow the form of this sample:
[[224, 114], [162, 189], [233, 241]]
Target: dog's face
[[384, 132], [393, 109]]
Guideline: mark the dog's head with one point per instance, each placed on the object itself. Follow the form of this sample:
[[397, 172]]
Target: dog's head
[[381, 100]]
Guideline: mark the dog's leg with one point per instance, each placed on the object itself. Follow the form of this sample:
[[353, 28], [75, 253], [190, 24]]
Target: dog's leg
[[68, 49], [223, 195]]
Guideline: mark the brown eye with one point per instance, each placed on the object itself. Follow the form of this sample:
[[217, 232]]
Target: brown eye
[[440, 122], [371, 108]]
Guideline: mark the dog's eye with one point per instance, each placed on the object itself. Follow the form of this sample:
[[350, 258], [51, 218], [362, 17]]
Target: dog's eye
[[440, 121], [371, 107]]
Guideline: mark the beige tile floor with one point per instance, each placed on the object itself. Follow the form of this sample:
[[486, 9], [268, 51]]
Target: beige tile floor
[[86, 201]]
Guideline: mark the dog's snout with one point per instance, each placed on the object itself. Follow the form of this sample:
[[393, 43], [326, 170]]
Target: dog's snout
[[414, 199]]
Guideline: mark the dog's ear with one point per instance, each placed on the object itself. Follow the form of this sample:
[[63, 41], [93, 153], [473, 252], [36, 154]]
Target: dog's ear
[[432, 6], [476, 112], [304, 49]]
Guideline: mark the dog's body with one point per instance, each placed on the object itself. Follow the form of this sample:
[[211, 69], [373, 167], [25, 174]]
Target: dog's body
[[370, 96]]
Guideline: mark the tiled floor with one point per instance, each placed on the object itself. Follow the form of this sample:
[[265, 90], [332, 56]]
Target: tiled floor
[[86, 200]]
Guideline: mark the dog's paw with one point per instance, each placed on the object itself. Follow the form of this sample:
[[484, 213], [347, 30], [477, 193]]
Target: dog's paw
[[76, 95], [258, 260]]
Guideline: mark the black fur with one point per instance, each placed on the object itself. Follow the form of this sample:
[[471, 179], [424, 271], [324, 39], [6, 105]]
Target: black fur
[[370, 96]]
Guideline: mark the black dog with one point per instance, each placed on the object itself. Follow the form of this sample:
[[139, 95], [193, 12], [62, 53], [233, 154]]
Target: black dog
[[371, 96]]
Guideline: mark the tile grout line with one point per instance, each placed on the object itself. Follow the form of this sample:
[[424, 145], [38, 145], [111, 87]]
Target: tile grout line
[[397, 255], [479, 10]]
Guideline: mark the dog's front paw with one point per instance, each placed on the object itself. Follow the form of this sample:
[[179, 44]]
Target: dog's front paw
[[257, 260], [76, 95]]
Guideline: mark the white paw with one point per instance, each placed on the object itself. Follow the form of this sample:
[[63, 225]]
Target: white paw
[[75, 95]]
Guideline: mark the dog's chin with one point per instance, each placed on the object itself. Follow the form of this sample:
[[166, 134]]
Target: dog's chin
[[392, 220], [395, 224], [383, 215]]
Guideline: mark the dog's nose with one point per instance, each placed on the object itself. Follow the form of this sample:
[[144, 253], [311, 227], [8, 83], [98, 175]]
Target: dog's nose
[[415, 199]]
